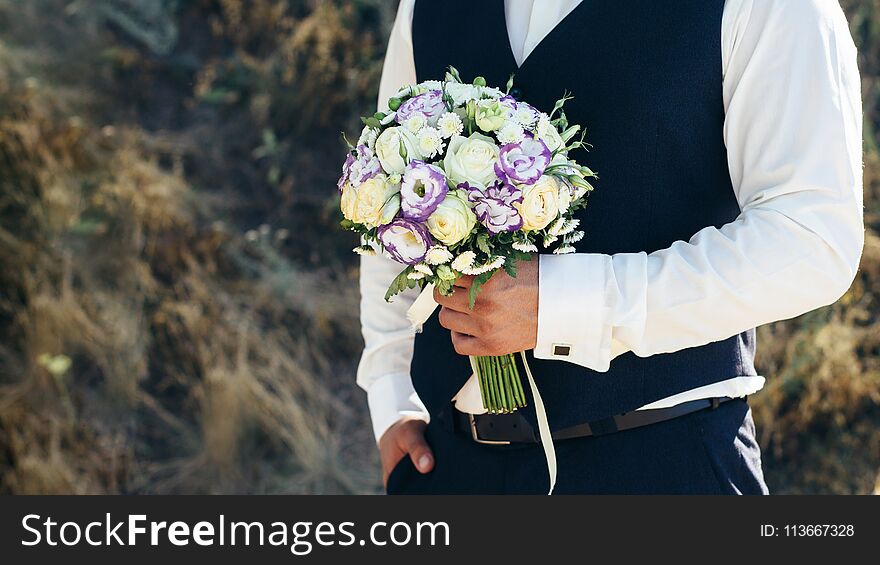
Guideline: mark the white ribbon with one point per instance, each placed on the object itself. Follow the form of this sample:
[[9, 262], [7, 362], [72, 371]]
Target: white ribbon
[[422, 308], [543, 425], [419, 312]]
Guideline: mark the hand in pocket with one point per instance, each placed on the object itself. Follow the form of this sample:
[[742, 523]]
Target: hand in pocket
[[405, 438]]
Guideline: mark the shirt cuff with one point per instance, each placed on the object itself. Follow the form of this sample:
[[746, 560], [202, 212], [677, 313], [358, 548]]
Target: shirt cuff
[[575, 309], [391, 398]]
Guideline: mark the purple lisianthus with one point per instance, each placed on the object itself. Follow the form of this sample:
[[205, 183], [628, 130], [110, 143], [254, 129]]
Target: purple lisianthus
[[423, 188], [429, 104], [365, 166], [508, 101], [360, 169], [523, 162], [405, 241], [522, 113], [346, 172], [494, 206]]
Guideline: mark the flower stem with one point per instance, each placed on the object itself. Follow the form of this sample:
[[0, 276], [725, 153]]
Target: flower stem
[[501, 388], [481, 373]]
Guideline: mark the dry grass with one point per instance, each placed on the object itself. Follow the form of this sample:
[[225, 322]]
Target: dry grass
[[146, 347], [174, 316]]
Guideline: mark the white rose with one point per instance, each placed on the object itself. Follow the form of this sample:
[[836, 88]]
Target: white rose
[[551, 138], [471, 160], [376, 203], [388, 149], [452, 221], [540, 204], [367, 137]]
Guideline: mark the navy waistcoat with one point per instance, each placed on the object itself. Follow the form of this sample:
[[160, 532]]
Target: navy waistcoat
[[647, 82]]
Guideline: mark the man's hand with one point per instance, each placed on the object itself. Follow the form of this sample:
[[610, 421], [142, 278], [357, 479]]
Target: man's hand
[[406, 437], [504, 319]]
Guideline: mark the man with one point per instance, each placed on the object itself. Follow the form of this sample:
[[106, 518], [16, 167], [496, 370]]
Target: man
[[727, 138]]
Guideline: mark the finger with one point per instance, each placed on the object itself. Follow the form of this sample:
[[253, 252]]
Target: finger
[[464, 281], [458, 321], [413, 442], [458, 300], [467, 344]]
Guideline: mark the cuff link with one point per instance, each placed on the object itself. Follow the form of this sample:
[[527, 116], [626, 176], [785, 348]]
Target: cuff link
[[561, 350]]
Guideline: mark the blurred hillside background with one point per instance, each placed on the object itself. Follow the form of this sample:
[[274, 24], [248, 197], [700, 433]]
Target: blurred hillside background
[[178, 310]]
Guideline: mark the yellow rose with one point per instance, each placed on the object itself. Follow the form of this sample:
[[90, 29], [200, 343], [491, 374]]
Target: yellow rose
[[347, 201], [374, 203], [452, 221], [540, 204]]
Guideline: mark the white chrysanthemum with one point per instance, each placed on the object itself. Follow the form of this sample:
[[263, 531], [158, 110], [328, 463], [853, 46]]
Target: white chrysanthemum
[[573, 237], [568, 227], [544, 125], [564, 250], [415, 276], [415, 123], [525, 247], [495, 263], [462, 93], [556, 227], [424, 269], [549, 240], [438, 255], [464, 261], [450, 124], [431, 85], [512, 132], [430, 141], [368, 137], [525, 116], [364, 250]]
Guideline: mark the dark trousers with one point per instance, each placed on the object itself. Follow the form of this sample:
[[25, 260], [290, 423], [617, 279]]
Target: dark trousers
[[706, 452]]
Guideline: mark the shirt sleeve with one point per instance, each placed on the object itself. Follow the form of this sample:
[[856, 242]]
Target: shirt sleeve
[[383, 371], [793, 134]]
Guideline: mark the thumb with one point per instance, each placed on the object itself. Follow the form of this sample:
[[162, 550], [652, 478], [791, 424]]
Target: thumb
[[413, 442]]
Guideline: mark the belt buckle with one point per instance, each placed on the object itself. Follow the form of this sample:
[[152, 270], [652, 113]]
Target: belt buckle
[[476, 437]]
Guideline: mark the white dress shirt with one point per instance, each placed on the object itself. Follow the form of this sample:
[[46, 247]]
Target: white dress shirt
[[793, 131]]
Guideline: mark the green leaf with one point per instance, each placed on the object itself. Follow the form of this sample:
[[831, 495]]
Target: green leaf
[[399, 284], [371, 122], [483, 243], [510, 266], [477, 283], [444, 287], [569, 133]]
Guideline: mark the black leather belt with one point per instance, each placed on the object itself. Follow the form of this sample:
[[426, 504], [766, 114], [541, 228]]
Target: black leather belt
[[504, 429]]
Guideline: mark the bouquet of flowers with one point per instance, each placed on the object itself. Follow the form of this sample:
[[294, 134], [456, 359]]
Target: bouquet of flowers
[[462, 179]]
